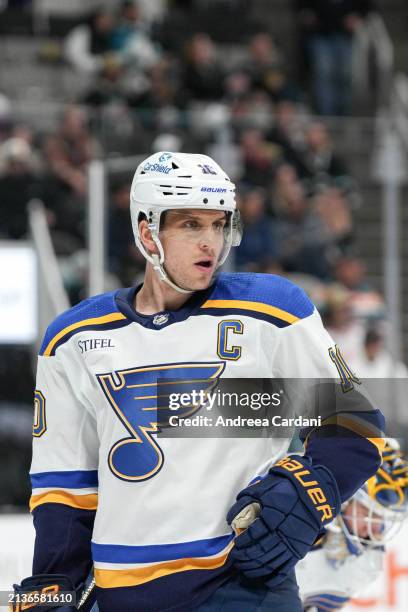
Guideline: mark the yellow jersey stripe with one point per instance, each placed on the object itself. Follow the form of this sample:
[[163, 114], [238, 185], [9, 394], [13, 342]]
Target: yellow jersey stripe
[[108, 579], [254, 306], [114, 316], [84, 502], [363, 430]]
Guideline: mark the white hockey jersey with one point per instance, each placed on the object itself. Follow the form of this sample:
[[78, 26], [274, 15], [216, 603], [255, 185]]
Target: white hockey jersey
[[331, 575], [160, 532]]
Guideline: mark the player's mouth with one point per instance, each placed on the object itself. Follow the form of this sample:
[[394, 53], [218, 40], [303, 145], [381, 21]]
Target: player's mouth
[[205, 265]]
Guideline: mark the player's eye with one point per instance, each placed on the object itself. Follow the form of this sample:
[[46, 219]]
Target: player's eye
[[191, 224], [219, 225]]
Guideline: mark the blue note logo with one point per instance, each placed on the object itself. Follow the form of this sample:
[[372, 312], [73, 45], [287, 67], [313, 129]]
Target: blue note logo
[[136, 397]]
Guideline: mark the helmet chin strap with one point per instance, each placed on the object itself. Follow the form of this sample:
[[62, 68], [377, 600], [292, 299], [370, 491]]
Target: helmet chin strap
[[158, 267], [161, 272]]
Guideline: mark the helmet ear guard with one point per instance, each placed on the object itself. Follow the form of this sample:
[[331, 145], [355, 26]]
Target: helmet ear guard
[[153, 222], [177, 181]]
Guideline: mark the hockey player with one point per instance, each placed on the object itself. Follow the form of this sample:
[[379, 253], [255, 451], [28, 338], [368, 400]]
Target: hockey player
[[149, 514], [350, 555]]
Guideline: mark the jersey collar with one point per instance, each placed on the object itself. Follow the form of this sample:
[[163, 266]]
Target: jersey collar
[[125, 299]]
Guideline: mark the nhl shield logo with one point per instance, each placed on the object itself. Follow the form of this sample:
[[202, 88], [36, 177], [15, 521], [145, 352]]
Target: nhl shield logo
[[160, 319]]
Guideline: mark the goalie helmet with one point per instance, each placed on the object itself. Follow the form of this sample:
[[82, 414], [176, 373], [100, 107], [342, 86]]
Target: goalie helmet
[[385, 499], [177, 181]]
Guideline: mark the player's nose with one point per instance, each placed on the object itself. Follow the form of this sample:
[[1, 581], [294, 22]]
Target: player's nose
[[377, 528], [208, 239], [363, 531]]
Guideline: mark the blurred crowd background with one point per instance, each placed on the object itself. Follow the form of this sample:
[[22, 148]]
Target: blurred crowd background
[[268, 88]]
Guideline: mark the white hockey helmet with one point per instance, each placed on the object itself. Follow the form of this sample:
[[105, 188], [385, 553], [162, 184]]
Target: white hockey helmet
[[176, 181], [385, 497]]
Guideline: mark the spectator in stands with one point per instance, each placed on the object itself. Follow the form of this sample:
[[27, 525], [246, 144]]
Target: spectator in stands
[[69, 150], [285, 184], [321, 163], [26, 133], [257, 251], [259, 159], [203, 77], [68, 153], [161, 104], [18, 185], [116, 83], [131, 41], [250, 110], [89, 44], [328, 27], [346, 329], [303, 243], [112, 96], [374, 361], [267, 70], [288, 133], [108, 85], [351, 272], [237, 86], [333, 208], [366, 302]]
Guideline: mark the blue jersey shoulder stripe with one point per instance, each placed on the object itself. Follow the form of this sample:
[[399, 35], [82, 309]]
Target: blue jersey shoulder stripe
[[75, 479], [117, 553], [285, 300], [98, 312]]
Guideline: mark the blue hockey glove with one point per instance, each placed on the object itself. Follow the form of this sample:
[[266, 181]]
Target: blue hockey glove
[[40, 589], [296, 500]]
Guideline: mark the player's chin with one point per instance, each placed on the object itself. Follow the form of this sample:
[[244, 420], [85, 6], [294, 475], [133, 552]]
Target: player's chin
[[200, 285], [200, 282]]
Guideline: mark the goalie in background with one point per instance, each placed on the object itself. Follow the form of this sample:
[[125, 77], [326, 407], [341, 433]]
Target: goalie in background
[[350, 555]]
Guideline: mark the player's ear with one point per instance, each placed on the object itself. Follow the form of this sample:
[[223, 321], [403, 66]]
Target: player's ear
[[146, 237]]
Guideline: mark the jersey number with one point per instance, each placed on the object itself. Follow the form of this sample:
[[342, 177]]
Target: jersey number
[[347, 377], [40, 424]]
